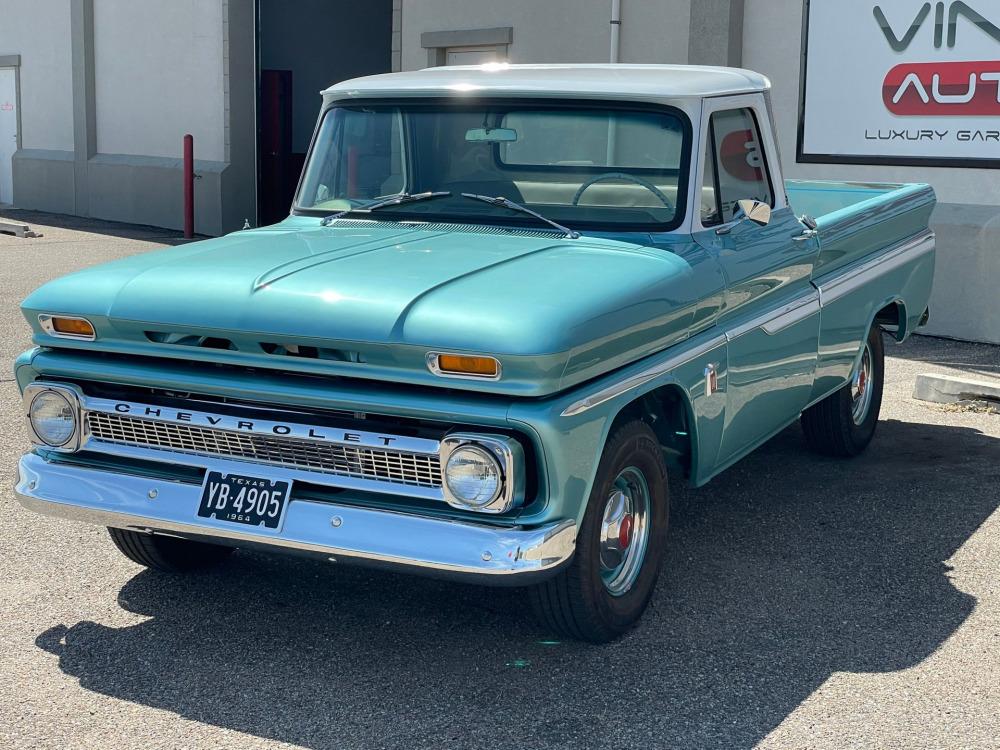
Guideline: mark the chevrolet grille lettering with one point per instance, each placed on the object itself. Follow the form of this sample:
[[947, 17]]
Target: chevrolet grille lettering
[[258, 426]]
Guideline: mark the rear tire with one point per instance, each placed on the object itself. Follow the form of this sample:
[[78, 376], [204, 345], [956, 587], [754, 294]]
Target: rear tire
[[167, 553], [843, 424], [607, 586]]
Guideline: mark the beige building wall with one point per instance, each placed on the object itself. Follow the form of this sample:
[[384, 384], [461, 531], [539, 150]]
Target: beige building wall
[[39, 32], [763, 35], [965, 303], [109, 88], [158, 69], [553, 31]]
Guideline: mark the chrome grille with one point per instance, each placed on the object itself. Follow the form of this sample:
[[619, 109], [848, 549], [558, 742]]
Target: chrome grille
[[416, 469]]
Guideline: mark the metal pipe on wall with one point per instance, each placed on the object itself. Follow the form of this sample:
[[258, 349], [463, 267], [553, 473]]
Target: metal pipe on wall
[[188, 186], [616, 27]]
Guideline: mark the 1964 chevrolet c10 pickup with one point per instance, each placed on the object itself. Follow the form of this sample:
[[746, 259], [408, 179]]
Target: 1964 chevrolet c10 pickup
[[509, 300]]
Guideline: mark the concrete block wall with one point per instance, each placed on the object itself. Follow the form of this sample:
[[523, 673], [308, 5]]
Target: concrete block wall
[[108, 92]]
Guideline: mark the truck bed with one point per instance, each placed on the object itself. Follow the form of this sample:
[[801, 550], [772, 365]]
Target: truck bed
[[856, 219]]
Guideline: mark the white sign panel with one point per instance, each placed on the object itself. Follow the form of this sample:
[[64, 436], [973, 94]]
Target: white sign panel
[[902, 82]]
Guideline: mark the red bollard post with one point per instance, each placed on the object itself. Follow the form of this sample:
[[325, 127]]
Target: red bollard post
[[188, 186]]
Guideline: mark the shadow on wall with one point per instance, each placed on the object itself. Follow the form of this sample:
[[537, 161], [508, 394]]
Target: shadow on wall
[[784, 570]]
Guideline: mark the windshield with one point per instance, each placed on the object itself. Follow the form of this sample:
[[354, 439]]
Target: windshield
[[586, 166]]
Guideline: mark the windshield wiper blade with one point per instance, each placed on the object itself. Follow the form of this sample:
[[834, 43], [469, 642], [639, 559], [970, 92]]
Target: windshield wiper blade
[[382, 203], [508, 203]]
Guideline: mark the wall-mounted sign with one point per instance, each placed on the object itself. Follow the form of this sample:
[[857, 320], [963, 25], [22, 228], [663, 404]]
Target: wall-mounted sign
[[901, 82]]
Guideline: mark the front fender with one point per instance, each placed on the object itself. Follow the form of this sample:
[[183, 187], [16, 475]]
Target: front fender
[[573, 428]]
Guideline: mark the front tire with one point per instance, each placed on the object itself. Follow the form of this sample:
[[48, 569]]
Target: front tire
[[168, 553], [843, 424], [607, 586]]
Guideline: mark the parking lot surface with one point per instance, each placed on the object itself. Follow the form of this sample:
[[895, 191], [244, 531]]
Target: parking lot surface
[[805, 602]]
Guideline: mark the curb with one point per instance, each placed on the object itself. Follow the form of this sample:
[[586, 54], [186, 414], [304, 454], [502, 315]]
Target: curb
[[947, 389]]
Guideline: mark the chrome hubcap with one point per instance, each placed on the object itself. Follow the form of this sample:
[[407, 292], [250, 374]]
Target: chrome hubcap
[[862, 387], [624, 531]]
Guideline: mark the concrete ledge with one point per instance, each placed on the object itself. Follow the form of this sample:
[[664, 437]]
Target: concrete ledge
[[17, 229], [947, 389], [467, 37], [122, 187], [150, 190]]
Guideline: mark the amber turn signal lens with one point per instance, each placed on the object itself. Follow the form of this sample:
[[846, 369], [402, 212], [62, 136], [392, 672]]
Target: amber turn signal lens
[[73, 326], [458, 364]]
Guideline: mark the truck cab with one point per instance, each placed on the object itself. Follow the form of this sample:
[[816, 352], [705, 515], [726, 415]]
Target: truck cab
[[508, 302]]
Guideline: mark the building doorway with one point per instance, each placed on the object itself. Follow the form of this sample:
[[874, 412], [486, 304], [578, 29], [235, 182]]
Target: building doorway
[[304, 46], [8, 133]]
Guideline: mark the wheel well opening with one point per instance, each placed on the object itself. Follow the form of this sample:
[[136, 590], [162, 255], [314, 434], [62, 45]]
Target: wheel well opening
[[665, 410], [892, 319]]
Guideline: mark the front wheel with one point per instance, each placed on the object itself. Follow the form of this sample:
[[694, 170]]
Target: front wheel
[[843, 424], [167, 553], [605, 589]]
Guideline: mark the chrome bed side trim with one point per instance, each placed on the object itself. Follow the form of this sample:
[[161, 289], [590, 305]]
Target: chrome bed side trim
[[846, 281]]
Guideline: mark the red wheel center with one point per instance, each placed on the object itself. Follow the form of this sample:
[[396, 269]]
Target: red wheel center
[[625, 532]]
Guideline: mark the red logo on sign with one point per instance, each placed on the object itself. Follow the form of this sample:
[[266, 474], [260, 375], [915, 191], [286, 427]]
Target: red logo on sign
[[740, 156], [959, 88], [6, 106]]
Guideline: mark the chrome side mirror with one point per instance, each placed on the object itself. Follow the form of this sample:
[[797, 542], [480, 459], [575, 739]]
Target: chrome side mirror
[[755, 211], [748, 210]]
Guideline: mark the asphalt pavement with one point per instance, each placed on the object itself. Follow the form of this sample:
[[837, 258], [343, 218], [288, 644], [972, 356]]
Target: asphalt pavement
[[805, 602]]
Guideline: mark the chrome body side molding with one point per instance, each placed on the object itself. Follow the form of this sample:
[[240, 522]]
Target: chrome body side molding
[[642, 377]]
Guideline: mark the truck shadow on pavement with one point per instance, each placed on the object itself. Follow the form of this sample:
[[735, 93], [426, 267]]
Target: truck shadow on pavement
[[781, 572]]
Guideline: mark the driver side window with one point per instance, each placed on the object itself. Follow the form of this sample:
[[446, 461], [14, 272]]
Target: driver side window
[[735, 166]]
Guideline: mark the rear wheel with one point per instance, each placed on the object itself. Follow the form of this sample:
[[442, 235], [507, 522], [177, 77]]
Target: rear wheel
[[843, 424], [168, 553], [605, 589]]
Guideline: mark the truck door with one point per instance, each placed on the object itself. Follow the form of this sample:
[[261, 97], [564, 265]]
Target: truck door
[[771, 310]]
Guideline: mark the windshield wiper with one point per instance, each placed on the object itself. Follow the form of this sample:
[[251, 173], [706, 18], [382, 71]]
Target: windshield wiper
[[507, 203], [395, 200]]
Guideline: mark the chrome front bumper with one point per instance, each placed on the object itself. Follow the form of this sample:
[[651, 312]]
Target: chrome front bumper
[[341, 533]]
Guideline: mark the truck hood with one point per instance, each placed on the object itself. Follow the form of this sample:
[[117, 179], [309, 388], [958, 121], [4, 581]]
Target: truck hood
[[372, 298]]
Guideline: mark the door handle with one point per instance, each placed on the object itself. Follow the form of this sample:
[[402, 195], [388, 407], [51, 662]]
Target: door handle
[[807, 235]]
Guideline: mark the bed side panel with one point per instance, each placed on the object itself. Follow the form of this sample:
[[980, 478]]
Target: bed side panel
[[866, 218]]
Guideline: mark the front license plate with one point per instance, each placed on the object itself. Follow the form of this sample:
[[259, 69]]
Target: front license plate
[[242, 499]]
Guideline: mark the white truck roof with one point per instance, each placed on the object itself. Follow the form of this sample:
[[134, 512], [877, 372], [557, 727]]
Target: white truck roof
[[608, 81]]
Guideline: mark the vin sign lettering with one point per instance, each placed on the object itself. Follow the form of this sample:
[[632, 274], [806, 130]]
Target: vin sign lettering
[[902, 82]]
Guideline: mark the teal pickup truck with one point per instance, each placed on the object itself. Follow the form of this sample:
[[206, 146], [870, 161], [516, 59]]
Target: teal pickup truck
[[509, 302]]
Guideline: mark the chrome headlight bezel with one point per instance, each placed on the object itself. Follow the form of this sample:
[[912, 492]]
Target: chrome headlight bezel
[[72, 395], [508, 455]]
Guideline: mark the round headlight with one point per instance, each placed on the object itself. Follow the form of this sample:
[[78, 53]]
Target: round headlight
[[473, 476], [52, 418]]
